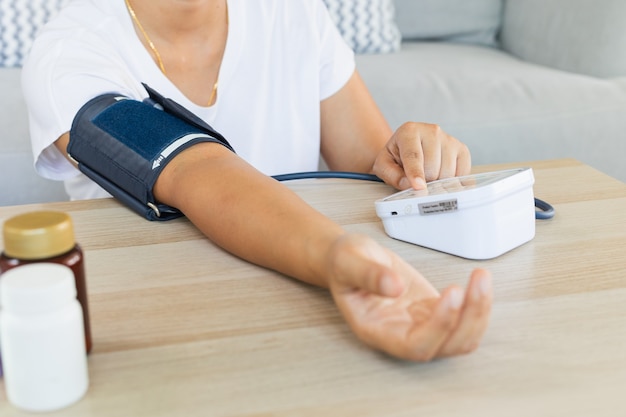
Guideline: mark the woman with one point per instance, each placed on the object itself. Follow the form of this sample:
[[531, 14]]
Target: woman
[[276, 79]]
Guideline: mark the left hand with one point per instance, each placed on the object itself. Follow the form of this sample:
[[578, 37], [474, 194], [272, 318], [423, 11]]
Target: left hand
[[391, 307], [421, 152]]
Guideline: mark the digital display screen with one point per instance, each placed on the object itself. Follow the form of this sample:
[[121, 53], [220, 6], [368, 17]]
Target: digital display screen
[[453, 185]]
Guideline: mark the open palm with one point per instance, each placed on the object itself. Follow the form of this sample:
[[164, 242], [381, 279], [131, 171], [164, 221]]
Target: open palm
[[392, 307]]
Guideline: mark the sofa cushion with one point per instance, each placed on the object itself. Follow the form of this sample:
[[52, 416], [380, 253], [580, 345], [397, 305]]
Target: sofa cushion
[[545, 32], [368, 26], [467, 21], [19, 22]]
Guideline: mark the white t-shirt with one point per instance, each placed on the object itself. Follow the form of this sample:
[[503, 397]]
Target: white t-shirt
[[282, 58]]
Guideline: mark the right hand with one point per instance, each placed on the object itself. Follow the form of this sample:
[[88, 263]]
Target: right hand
[[418, 153]]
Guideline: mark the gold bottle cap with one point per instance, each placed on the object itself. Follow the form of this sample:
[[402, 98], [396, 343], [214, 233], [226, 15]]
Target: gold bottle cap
[[38, 235]]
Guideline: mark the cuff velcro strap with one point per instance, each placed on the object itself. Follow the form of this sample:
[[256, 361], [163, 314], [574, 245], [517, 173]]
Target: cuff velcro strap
[[124, 144]]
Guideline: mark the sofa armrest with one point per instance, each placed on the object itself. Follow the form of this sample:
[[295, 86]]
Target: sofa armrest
[[581, 36]]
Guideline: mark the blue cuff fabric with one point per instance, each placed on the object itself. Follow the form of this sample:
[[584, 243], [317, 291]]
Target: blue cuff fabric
[[124, 144]]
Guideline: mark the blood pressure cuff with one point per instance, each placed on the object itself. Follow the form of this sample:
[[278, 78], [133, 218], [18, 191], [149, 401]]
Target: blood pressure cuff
[[123, 145]]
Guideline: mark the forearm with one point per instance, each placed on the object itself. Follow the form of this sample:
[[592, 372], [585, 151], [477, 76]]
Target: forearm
[[249, 214], [354, 130]]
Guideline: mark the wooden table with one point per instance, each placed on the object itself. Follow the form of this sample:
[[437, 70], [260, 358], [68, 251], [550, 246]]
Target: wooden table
[[182, 328]]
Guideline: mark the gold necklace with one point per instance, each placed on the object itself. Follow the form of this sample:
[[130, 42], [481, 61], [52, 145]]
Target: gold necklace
[[155, 51]]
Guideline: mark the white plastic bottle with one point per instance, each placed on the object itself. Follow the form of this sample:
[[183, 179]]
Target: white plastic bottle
[[42, 337]]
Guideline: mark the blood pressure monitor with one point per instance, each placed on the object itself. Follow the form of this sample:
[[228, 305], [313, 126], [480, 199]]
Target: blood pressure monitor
[[478, 216]]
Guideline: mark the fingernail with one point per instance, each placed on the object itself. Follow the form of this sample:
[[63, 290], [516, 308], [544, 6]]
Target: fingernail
[[483, 287], [455, 298], [470, 346], [404, 183], [388, 286], [420, 183]]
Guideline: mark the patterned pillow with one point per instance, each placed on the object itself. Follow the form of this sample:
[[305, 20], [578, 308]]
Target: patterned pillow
[[367, 25], [19, 22]]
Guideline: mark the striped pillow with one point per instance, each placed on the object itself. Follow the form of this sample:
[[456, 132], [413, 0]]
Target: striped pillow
[[20, 20], [368, 26]]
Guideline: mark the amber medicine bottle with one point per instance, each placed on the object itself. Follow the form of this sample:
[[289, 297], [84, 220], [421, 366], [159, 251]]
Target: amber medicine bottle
[[46, 236]]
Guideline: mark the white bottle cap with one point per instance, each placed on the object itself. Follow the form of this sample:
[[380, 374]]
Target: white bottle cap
[[36, 288]]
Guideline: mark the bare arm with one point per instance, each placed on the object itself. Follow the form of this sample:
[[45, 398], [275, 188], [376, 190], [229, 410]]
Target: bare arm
[[245, 212], [354, 130], [248, 213], [356, 137]]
